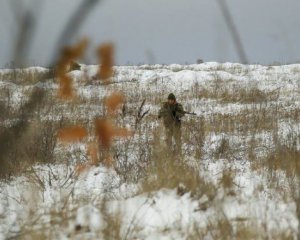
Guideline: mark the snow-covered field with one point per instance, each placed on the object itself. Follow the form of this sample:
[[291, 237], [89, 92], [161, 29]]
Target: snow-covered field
[[243, 145]]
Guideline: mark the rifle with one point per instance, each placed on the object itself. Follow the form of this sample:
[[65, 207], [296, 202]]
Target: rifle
[[190, 113]]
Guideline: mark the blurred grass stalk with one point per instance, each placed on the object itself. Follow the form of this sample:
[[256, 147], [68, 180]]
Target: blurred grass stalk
[[26, 15]]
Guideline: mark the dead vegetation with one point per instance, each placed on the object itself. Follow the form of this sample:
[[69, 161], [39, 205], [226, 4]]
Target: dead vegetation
[[27, 76], [226, 91], [252, 133], [29, 134]]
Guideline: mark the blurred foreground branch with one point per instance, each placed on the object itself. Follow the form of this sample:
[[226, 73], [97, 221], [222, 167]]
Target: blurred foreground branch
[[11, 136], [233, 31], [73, 25], [26, 21]]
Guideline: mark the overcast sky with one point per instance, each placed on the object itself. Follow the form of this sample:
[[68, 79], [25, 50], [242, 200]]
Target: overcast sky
[[166, 31]]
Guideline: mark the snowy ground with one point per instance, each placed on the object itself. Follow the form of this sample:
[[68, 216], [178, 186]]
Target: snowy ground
[[51, 201]]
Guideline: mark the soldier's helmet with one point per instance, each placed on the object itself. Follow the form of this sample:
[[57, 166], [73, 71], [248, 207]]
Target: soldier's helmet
[[171, 97]]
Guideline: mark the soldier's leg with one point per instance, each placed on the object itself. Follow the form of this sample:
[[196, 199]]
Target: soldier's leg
[[169, 134], [177, 136]]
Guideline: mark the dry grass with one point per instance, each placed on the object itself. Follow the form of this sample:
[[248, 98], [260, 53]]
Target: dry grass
[[26, 76], [194, 135], [143, 158], [36, 144], [167, 170], [229, 92]]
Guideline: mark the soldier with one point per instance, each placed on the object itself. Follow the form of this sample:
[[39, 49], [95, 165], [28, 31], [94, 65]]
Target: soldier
[[172, 112]]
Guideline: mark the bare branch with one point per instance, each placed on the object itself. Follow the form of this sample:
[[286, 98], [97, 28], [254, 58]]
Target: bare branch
[[233, 31], [26, 23], [139, 117], [73, 25]]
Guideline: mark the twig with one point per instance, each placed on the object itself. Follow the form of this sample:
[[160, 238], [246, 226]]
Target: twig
[[140, 115]]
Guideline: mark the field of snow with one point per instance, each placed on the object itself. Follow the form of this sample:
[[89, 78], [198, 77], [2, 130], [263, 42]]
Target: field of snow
[[238, 176]]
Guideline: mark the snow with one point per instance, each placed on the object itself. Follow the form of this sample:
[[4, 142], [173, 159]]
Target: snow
[[89, 216], [162, 214]]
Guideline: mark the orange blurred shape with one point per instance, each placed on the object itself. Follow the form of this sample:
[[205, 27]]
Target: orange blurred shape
[[105, 54], [104, 132], [62, 68], [66, 90], [122, 132], [113, 101], [108, 161], [93, 152], [80, 168], [70, 53], [72, 134], [81, 47]]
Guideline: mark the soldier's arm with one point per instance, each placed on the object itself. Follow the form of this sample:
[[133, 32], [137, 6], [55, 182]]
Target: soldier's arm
[[179, 111], [163, 111]]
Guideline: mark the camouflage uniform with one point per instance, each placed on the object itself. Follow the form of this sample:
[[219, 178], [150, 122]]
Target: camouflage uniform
[[171, 114]]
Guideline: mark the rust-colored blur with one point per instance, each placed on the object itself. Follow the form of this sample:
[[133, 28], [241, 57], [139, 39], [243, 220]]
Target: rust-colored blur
[[105, 54], [104, 132], [81, 167], [69, 55], [93, 152], [72, 134], [122, 132], [66, 90], [114, 101]]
